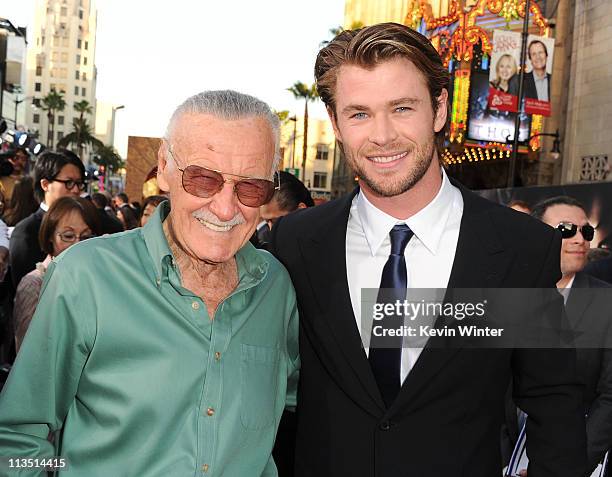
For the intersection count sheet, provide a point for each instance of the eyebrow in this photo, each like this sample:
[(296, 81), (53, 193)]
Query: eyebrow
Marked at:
[(394, 102)]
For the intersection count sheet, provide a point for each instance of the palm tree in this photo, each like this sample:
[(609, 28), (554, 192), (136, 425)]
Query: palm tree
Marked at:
[(83, 107), (80, 136), (108, 157), (307, 93), (52, 103), (334, 32)]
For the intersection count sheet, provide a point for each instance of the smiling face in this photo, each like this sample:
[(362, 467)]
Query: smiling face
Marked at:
[(538, 56), (506, 68), (574, 249), (213, 229), (385, 122)]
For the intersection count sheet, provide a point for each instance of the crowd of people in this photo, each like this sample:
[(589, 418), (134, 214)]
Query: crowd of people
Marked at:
[(177, 346)]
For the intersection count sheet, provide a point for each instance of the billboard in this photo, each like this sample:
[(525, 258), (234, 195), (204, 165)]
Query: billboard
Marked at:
[(490, 124), (504, 73)]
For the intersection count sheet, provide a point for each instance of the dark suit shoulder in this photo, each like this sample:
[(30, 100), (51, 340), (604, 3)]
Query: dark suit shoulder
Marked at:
[(30, 223)]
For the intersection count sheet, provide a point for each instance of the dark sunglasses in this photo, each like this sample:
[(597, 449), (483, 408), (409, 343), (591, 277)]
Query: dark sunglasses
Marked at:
[(203, 182), (568, 230), (69, 184)]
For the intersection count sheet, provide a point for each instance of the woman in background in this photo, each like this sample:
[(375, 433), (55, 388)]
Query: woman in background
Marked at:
[(128, 217), (149, 206), (68, 221), (22, 202)]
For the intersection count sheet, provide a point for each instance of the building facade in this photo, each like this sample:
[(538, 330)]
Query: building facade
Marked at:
[(61, 58), (320, 158), (580, 95)]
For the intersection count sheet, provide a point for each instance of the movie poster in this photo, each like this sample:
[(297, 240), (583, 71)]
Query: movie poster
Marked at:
[(504, 73)]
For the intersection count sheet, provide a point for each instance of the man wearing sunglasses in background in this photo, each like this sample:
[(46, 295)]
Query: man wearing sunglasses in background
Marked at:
[(56, 174), (590, 315), (169, 349)]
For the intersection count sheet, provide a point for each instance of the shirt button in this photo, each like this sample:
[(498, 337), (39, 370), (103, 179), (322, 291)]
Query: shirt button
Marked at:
[(195, 305), (217, 355), (385, 426), (210, 411), (158, 281), (205, 468)]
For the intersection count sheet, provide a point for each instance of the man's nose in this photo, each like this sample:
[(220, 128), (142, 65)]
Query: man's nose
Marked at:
[(224, 203), (383, 130)]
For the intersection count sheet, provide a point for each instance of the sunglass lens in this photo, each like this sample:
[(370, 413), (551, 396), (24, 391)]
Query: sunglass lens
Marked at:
[(254, 192), (201, 182), (588, 232), (567, 230)]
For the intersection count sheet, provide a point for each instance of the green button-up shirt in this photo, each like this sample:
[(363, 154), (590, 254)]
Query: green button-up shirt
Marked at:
[(124, 364)]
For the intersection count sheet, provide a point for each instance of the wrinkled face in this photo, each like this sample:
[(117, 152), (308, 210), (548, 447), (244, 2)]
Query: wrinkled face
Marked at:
[(70, 225), (505, 68), (537, 56), (385, 122), (574, 249), (55, 189), (146, 213), (213, 229)]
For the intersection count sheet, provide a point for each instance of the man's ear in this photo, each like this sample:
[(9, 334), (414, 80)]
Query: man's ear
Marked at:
[(301, 205), (44, 184), (442, 111), (162, 168)]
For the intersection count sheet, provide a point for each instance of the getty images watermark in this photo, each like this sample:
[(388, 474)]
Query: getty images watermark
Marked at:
[(484, 318)]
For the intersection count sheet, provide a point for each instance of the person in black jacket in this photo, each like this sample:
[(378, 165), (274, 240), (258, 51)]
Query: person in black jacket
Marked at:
[(56, 174), (366, 411), (588, 305), (109, 224)]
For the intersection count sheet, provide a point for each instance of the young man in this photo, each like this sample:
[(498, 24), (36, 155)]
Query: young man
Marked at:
[(368, 412)]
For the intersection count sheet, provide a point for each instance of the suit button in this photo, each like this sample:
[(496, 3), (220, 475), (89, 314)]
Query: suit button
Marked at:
[(385, 426)]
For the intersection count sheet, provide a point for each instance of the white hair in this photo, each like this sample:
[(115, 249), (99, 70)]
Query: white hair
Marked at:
[(230, 105)]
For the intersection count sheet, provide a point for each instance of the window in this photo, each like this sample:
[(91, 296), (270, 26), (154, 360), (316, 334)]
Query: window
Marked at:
[(83, 91), (84, 60), (63, 11), (37, 87), (64, 57), (36, 118), (84, 76), (60, 120), (52, 87), (81, 14), (55, 56), (39, 71), (77, 74), (86, 44), (60, 135), (78, 59), (76, 90), (79, 44), (320, 180), (322, 152), (36, 102), (62, 88)]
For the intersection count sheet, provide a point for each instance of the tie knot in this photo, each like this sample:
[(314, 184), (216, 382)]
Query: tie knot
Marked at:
[(400, 236)]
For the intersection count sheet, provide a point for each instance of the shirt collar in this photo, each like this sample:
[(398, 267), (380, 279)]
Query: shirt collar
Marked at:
[(44, 206), (251, 265), (427, 224)]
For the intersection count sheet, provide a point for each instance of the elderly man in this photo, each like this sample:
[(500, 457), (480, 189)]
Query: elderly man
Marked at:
[(171, 349)]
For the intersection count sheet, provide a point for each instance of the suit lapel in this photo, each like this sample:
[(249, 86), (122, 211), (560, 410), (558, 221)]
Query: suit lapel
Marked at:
[(480, 262), (577, 302), (324, 257)]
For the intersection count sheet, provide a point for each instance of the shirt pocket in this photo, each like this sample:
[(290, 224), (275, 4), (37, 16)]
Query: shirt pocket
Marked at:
[(259, 384)]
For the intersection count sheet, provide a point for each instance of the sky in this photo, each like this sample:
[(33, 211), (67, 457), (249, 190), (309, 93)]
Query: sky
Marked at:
[(152, 54)]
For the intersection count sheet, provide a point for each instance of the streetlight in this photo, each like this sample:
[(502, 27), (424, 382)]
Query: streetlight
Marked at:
[(112, 135), (555, 152)]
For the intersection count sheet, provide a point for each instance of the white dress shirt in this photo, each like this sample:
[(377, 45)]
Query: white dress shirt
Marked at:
[(429, 254), (541, 84)]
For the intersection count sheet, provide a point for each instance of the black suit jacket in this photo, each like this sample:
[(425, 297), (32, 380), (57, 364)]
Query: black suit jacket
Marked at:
[(24, 250), (591, 313), (530, 87), (447, 417), (601, 269), (108, 224)]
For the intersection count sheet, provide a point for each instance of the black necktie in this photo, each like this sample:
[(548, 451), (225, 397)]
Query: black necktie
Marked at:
[(386, 353)]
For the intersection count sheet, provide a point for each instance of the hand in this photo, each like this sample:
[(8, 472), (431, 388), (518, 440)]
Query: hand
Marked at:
[(523, 473)]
